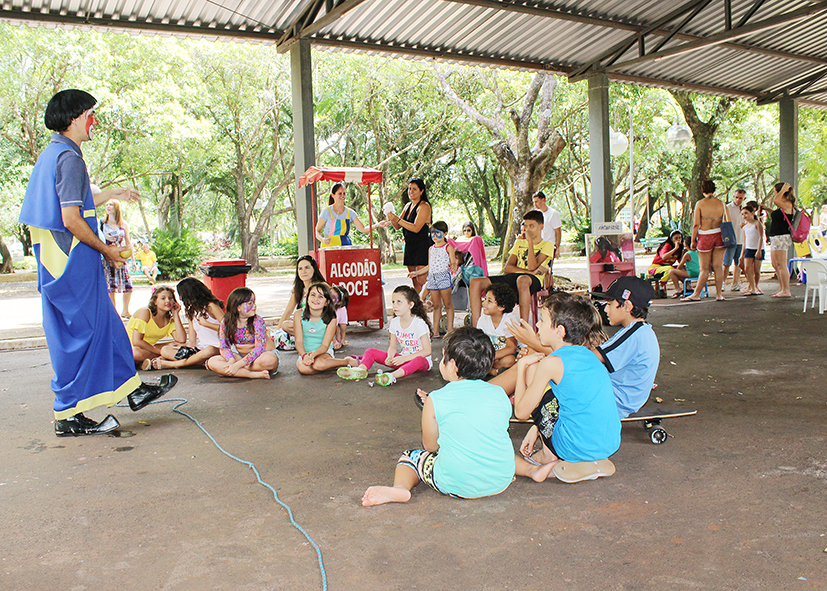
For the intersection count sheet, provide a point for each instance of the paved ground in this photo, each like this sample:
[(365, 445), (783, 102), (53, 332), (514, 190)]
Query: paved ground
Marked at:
[(734, 500)]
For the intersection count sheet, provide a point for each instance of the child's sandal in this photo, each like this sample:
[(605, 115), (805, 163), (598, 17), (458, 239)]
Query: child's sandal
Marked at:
[(578, 471), (385, 379), (420, 403), (352, 373)]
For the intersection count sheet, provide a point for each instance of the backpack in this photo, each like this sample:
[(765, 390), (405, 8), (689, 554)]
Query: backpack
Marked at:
[(800, 226)]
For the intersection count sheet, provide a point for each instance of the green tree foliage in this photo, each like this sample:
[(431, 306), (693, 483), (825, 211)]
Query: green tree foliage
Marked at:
[(178, 253), (204, 130)]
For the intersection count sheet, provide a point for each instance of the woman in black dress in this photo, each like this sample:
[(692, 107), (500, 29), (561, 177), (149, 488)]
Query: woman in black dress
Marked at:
[(415, 224)]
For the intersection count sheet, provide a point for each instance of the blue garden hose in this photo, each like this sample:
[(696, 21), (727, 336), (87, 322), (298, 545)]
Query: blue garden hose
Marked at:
[(182, 402)]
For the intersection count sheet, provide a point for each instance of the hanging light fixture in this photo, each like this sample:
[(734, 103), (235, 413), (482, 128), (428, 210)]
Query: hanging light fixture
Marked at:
[(618, 142), (678, 137)]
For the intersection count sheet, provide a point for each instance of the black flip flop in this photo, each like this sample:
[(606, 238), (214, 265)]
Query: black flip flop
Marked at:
[(419, 403)]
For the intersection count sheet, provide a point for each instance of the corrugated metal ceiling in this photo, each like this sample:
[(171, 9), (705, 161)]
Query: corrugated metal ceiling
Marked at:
[(745, 48)]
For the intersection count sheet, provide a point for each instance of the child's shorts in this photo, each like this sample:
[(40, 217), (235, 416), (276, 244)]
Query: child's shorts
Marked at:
[(422, 462), (545, 417), (439, 281), (510, 279)]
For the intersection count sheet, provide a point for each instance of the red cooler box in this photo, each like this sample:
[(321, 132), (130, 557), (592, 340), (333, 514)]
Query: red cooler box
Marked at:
[(224, 275), (359, 271)]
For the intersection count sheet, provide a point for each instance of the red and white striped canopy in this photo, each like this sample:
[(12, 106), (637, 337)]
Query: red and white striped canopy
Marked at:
[(362, 176)]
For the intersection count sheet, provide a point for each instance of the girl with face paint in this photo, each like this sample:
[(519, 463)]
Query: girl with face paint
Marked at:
[(246, 349), (149, 325), (315, 328)]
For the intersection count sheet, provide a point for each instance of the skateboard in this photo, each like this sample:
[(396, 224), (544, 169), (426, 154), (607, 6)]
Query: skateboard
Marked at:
[(652, 417)]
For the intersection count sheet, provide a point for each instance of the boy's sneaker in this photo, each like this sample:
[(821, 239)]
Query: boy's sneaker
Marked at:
[(352, 373), (577, 471), (385, 379)]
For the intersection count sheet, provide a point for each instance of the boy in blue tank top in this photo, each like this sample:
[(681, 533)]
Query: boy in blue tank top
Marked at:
[(569, 397), (468, 452)]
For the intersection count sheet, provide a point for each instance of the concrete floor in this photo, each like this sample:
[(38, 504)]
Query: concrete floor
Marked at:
[(735, 499)]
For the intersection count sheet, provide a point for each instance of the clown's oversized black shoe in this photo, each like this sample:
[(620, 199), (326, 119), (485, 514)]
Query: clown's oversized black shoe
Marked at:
[(80, 425), (146, 393)]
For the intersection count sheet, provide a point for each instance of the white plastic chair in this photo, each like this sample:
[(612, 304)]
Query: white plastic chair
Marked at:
[(815, 277)]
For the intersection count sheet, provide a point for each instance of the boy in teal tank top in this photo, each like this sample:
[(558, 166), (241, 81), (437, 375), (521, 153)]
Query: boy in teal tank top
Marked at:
[(468, 452), (569, 397)]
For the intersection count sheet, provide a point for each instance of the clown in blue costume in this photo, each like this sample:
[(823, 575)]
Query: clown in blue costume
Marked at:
[(88, 345)]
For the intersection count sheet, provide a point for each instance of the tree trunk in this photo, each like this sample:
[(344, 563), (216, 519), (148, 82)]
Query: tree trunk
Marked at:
[(651, 201), (163, 207), (25, 237), (7, 265), (526, 165), (703, 133)]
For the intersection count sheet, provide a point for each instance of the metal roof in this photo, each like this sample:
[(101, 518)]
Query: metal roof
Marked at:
[(760, 49)]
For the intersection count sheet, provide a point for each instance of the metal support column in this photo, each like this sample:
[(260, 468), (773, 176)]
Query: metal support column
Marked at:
[(304, 139), (788, 142), (599, 156)]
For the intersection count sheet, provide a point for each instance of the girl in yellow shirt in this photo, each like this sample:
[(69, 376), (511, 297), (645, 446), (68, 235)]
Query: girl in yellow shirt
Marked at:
[(158, 320)]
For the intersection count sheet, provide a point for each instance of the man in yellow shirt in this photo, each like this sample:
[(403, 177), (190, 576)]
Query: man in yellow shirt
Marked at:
[(149, 262), (523, 272)]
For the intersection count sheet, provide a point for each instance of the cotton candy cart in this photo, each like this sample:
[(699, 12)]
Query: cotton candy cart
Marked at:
[(355, 268)]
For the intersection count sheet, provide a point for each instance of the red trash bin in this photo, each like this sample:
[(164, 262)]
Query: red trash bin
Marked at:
[(224, 275)]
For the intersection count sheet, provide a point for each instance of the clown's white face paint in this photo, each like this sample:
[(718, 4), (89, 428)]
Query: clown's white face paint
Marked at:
[(91, 121)]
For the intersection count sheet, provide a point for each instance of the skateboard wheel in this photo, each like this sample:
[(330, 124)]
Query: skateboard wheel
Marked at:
[(658, 435)]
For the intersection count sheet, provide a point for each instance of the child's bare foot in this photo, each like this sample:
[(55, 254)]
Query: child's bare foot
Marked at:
[(379, 495), (161, 363), (263, 374), (540, 473)]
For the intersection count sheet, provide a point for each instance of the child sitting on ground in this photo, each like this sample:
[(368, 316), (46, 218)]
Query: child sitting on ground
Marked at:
[(410, 333), (632, 355), (246, 349), (149, 325), (307, 273), (341, 298), (568, 395), (497, 306), (468, 452), (314, 341), (205, 313)]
